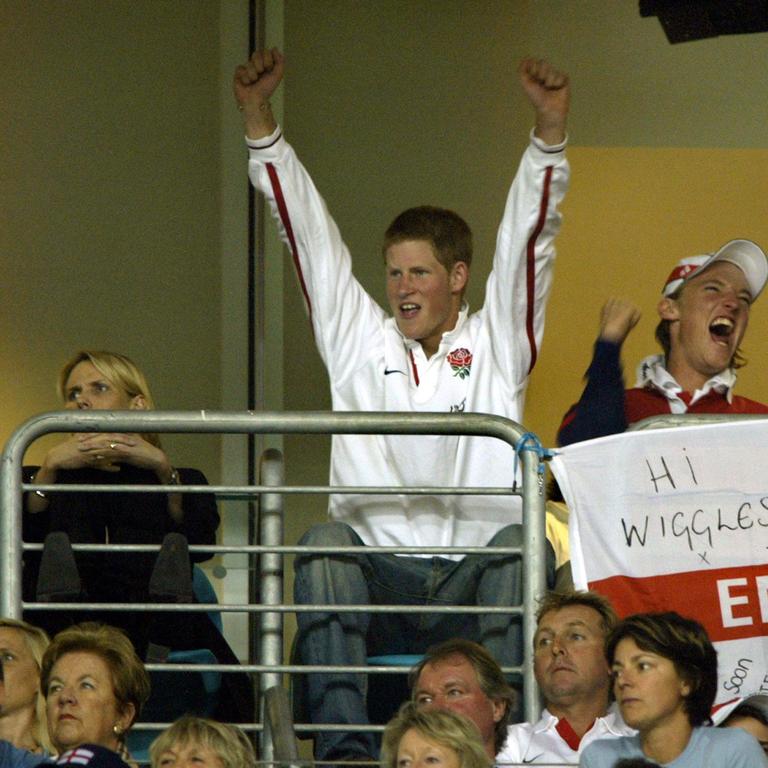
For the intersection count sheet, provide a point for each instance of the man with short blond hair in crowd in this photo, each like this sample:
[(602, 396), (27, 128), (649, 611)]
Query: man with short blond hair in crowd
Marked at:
[(575, 682), (462, 676)]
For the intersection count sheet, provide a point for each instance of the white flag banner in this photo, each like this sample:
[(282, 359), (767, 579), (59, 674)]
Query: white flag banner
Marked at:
[(677, 520)]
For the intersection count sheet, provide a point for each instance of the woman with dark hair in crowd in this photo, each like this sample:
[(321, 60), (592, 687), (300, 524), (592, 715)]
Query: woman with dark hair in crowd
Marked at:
[(665, 681)]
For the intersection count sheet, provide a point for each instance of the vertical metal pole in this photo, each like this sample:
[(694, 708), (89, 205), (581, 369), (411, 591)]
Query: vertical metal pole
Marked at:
[(256, 367), (534, 572), (271, 577), (10, 531)]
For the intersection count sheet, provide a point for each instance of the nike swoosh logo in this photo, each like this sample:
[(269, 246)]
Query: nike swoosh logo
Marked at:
[(533, 759), (387, 371)]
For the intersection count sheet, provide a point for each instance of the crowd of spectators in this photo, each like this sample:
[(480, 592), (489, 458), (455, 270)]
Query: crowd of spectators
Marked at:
[(616, 692)]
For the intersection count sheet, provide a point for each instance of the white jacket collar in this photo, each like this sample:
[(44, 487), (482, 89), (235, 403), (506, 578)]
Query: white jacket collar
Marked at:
[(652, 373)]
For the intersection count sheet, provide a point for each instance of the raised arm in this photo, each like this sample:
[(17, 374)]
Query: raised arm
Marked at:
[(343, 316), (617, 319), (518, 287), (600, 411)]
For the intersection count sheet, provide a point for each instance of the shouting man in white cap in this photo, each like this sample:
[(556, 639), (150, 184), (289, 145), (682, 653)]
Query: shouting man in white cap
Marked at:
[(704, 312)]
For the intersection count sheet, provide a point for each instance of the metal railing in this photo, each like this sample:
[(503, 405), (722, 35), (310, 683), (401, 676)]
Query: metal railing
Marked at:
[(271, 549)]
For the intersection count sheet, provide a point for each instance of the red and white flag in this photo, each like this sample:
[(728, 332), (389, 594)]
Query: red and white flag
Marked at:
[(677, 520)]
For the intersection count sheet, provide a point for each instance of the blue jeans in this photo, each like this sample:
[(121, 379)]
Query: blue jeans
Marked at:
[(381, 579)]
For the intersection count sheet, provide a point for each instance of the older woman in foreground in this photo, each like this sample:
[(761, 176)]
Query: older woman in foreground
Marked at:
[(95, 686), (431, 738)]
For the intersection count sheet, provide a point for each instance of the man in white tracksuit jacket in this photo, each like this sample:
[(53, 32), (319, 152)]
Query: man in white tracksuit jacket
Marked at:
[(431, 355)]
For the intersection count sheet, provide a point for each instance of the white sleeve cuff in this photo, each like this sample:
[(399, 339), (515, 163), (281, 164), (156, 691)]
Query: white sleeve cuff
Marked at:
[(265, 141), (549, 148)]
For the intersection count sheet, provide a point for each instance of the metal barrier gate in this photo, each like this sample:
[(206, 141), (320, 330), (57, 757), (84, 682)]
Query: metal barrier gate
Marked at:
[(270, 667)]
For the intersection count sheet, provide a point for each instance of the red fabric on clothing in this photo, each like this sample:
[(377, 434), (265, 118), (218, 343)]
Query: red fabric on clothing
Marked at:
[(568, 735), (642, 403)]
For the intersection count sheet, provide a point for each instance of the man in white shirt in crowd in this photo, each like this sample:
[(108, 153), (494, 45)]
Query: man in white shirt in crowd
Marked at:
[(575, 682)]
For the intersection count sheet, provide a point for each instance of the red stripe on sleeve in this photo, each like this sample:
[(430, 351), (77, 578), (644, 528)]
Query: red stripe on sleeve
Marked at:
[(531, 266), (285, 218)]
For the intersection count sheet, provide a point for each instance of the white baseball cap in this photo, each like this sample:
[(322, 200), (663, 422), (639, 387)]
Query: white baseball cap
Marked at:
[(746, 255)]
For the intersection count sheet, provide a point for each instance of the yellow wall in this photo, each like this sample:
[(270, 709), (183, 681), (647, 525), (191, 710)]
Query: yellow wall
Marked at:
[(109, 215)]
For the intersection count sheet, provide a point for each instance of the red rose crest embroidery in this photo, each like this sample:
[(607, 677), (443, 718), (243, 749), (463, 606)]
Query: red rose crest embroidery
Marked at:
[(461, 361)]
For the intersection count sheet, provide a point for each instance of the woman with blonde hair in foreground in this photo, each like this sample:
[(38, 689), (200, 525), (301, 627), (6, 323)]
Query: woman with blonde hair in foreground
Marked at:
[(431, 738), (203, 743), (22, 707)]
